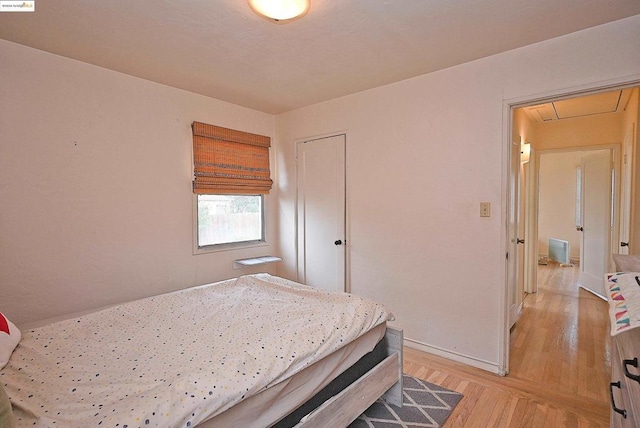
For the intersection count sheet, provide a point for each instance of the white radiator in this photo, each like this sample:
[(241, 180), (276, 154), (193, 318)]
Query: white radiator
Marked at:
[(559, 251)]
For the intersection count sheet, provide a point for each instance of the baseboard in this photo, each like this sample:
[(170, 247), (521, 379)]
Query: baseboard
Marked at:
[(454, 356)]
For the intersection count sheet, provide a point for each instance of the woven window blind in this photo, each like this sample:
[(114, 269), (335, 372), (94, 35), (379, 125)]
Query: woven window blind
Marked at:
[(226, 161)]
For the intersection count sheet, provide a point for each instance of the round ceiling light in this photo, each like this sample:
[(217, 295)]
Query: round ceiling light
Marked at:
[(280, 10)]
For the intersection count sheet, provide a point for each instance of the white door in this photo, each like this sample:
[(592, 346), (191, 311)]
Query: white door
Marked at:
[(625, 208), (321, 212), (516, 249), (596, 221)]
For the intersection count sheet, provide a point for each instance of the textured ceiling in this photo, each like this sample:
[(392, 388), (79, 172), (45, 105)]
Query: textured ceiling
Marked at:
[(221, 49), (588, 105)]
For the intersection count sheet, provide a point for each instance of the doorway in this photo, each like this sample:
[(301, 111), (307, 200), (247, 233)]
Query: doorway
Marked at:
[(545, 125), (575, 198)]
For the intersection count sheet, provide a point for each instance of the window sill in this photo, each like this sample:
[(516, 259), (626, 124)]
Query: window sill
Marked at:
[(227, 247), (253, 261)]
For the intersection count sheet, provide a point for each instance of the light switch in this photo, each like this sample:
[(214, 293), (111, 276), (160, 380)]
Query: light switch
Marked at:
[(485, 209)]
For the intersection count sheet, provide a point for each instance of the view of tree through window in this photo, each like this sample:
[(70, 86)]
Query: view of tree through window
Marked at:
[(225, 219)]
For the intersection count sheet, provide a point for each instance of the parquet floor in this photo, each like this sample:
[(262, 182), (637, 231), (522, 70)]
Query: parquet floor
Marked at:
[(559, 364)]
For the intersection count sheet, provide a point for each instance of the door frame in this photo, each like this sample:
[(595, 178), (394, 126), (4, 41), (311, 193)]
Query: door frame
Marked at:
[(509, 105), (614, 158), (347, 228)]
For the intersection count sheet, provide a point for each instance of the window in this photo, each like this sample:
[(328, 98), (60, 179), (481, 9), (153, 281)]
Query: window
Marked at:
[(227, 219), (231, 177)]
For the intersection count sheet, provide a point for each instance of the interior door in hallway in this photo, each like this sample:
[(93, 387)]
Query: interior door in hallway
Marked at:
[(596, 199), (515, 265), (626, 190), (321, 194)]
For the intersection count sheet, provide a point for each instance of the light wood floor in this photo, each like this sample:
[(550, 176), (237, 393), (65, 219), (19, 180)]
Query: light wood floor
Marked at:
[(559, 364)]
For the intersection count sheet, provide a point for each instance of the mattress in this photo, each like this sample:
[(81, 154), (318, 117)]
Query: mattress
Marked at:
[(272, 404), (183, 358)]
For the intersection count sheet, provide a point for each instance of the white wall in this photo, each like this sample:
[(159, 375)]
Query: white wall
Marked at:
[(583, 131), (421, 155), (95, 186)]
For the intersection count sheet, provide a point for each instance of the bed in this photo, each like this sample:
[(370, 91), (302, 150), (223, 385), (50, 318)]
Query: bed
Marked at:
[(257, 350)]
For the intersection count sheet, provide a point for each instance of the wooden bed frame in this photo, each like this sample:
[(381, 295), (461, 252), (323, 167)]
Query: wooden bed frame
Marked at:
[(383, 380)]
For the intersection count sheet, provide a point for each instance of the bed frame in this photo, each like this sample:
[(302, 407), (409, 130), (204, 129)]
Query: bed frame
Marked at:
[(383, 380)]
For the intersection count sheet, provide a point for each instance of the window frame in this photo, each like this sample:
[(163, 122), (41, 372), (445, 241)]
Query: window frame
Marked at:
[(204, 249)]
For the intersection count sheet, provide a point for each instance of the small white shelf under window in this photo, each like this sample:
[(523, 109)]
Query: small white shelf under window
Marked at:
[(253, 261)]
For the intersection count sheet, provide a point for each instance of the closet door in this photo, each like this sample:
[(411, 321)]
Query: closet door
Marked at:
[(321, 212)]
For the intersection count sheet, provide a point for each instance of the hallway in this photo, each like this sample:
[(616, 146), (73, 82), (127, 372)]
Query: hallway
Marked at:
[(559, 365), (562, 339)]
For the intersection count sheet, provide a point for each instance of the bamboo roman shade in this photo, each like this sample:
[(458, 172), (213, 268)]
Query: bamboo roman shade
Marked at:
[(226, 161)]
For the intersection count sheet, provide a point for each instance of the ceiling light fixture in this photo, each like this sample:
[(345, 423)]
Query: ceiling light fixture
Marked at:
[(280, 10)]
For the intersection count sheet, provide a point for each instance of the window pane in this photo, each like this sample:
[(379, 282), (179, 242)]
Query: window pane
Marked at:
[(224, 219)]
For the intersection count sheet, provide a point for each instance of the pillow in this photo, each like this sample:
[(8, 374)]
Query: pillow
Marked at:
[(7, 419), (9, 338)]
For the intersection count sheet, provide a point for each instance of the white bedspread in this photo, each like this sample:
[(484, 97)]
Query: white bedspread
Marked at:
[(177, 359)]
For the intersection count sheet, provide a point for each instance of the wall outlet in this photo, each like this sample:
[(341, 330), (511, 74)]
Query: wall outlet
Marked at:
[(485, 209)]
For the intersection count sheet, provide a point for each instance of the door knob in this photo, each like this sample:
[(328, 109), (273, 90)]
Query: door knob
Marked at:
[(624, 244), (520, 241), (338, 242), (579, 228)]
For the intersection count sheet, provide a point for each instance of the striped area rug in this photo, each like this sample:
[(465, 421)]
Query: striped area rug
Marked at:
[(425, 405)]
